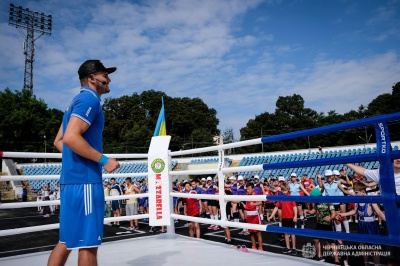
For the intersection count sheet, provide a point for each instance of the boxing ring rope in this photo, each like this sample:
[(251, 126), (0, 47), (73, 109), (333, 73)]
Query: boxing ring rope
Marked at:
[(384, 155)]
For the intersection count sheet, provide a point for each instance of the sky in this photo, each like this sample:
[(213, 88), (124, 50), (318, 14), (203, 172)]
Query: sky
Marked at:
[(237, 56)]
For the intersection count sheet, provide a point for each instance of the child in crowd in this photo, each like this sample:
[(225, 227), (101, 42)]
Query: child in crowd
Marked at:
[(289, 219), (366, 220), (253, 217), (192, 208), (325, 215)]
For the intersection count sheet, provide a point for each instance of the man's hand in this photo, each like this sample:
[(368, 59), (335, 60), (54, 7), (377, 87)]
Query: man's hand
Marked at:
[(111, 165)]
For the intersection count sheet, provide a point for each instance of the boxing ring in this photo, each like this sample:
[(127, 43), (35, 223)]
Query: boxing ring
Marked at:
[(171, 249)]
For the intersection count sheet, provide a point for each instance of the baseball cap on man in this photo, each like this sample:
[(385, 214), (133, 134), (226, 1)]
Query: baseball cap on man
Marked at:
[(281, 178), (91, 66), (209, 178), (336, 172), (293, 175), (240, 177), (232, 178), (328, 172)]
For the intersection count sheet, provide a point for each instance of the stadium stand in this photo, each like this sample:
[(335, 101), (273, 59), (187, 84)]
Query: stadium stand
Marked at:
[(311, 171), (245, 160), (55, 169)]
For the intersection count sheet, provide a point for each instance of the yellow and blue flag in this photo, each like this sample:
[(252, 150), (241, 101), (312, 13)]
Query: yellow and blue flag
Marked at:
[(161, 128)]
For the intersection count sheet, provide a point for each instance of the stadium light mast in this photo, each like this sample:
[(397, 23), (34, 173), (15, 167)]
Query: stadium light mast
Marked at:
[(33, 22)]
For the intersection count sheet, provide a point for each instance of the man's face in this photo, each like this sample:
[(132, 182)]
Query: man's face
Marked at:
[(250, 190), (113, 181), (97, 79), (194, 185)]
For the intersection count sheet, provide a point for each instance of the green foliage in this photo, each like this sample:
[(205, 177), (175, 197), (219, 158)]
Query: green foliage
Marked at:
[(24, 121), (131, 120)]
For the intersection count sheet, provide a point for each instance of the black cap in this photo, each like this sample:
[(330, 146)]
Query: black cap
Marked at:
[(92, 66)]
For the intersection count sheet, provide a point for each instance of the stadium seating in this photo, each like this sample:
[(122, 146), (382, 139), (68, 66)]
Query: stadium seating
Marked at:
[(311, 171), (55, 169)]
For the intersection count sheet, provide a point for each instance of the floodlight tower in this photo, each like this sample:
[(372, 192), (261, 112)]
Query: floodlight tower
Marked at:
[(33, 22)]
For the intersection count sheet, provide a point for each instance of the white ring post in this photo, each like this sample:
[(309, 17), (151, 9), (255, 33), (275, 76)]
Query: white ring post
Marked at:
[(159, 183), (221, 186)]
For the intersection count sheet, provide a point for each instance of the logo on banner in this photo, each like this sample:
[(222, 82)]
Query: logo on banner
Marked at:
[(383, 138), (158, 165)]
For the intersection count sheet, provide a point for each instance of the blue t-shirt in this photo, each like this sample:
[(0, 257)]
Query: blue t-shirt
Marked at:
[(76, 169), (294, 189), (331, 189)]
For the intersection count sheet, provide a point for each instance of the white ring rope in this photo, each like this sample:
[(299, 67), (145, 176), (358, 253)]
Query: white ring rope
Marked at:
[(217, 197), (52, 177), (258, 167), (222, 223), (57, 202), (8, 154), (41, 228), (219, 147)]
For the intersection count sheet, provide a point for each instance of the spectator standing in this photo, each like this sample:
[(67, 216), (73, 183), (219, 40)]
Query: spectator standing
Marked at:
[(24, 193), (366, 218), (191, 207), (131, 206), (253, 217), (325, 215), (46, 197), (107, 204), (289, 219), (296, 189), (115, 190)]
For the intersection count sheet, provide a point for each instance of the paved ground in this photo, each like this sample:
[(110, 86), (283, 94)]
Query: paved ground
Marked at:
[(46, 240)]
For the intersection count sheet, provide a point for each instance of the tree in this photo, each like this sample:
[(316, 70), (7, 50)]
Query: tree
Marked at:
[(131, 120), (24, 121), (228, 135)]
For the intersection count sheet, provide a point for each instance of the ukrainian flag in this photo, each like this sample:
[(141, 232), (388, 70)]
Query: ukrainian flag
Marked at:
[(161, 128)]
